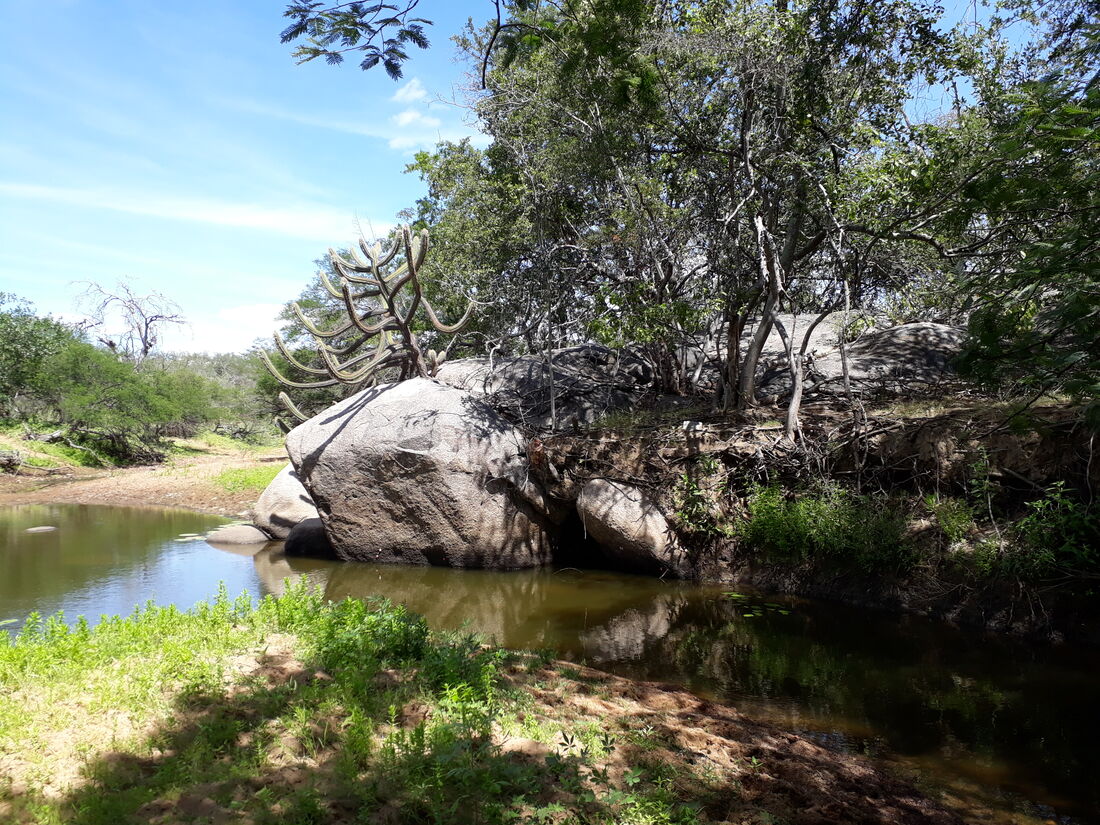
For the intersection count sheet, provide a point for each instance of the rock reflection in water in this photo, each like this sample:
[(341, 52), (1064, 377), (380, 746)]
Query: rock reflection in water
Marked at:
[(274, 570), (593, 615)]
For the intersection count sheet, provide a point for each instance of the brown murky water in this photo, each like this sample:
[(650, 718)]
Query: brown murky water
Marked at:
[(998, 723)]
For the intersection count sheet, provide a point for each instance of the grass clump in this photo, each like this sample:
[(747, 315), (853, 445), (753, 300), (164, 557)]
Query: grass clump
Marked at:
[(830, 525), (245, 479), (292, 710)]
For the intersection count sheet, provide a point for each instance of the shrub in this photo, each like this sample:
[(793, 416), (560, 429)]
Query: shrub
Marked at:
[(1059, 535), (828, 524), (953, 516)]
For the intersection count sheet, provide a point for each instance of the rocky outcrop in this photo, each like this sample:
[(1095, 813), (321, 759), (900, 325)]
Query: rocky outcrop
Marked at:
[(897, 358), (629, 527), (422, 473), (284, 504), (589, 382)]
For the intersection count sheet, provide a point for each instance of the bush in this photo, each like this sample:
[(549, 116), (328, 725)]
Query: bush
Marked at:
[(116, 409), (828, 524), (1060, 535)]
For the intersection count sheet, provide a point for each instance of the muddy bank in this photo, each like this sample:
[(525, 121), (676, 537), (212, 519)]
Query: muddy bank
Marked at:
[(186, 482)]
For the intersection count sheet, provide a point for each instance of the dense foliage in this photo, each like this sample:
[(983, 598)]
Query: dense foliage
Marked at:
[(674, 174), (107, 405)]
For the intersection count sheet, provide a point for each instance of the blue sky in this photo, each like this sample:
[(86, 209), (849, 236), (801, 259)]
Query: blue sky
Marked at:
[(177, 145)]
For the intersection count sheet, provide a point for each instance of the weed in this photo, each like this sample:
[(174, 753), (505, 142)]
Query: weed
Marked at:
[(696, 498), (953, 516), (1059, 534)]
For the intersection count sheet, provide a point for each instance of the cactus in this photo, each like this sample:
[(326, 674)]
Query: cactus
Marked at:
[(381, 300)]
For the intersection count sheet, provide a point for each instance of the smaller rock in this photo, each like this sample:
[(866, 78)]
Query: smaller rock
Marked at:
[(629, 527), (283, 504), (43, 529), (237, 534), (308, 538)]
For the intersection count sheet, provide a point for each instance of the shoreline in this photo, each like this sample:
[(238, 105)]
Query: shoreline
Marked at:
[(183, 482), (279, 702)]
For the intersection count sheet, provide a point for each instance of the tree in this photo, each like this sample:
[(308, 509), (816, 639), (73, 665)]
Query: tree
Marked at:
[(128, 323), (27, 341), (381, 31), (690, 166), (1033, 211)]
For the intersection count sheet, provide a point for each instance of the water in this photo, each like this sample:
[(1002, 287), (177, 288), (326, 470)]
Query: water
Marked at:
[(999, 723)]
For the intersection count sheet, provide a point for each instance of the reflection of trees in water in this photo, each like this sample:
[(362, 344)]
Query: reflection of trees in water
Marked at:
[(918, 686)]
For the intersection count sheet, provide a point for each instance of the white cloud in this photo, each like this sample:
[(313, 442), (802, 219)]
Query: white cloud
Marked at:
[(300, 220), (413, 117), (411, 92), (230, 329), (409, 129)]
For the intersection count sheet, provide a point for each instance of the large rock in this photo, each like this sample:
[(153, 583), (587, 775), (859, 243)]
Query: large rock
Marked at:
[(283, 505), (422, 473), (589, 382), (629, 527), (897, 358)]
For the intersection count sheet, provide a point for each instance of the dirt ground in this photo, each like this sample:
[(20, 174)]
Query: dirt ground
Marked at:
[(185, 481)]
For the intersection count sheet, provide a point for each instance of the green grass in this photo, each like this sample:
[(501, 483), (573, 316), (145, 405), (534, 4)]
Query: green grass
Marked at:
[(244, 479), (293, 710)]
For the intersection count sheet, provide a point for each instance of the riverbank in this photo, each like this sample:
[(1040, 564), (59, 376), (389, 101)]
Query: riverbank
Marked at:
[(211, 475), (298, 710)]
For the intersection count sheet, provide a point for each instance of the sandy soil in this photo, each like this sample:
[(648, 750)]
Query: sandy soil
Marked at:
[(183, 481)]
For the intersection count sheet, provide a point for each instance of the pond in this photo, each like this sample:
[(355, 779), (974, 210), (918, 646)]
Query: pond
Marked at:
[(997, 722)]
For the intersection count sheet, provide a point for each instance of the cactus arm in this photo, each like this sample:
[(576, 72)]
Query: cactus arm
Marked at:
[(375, 253), (440, 326), (327, 284), (301, 385), (379, 360), (289, 356), (356, 264), (291, 408), (347, 275), (314, 330)]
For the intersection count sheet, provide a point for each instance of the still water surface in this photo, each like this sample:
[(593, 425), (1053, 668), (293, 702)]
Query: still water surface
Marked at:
[(996, 721)]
